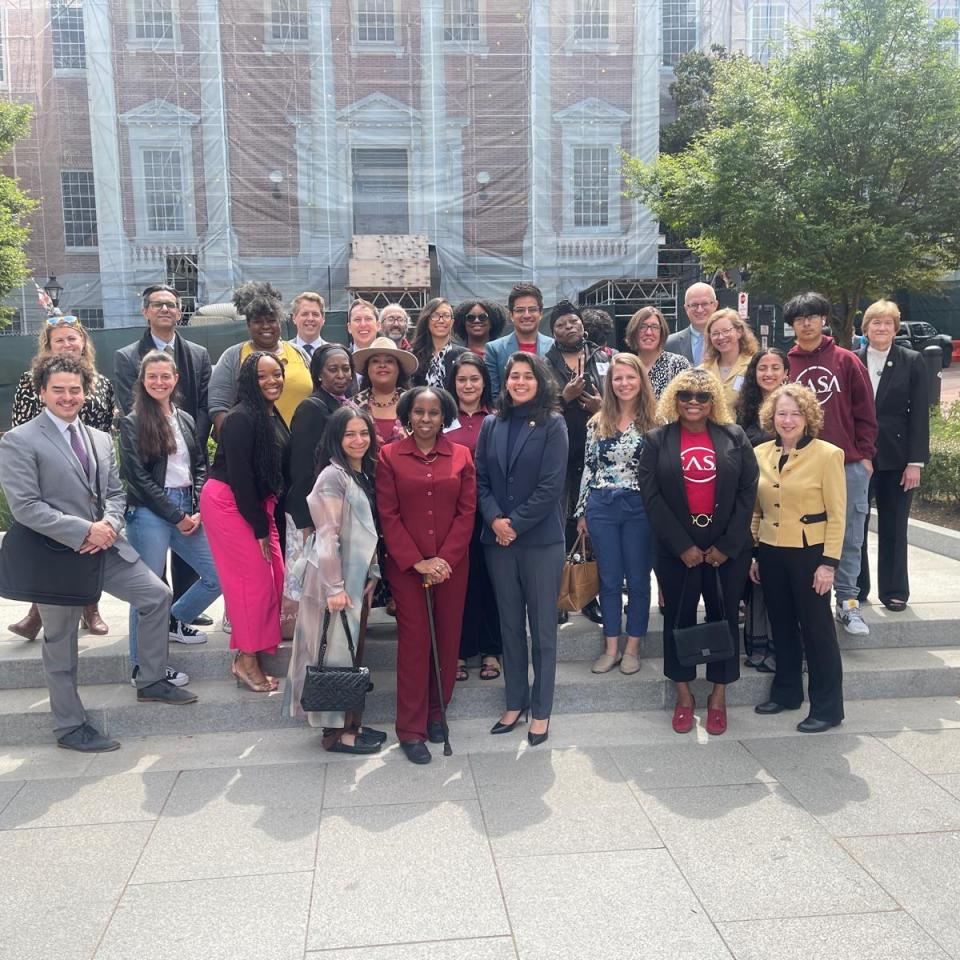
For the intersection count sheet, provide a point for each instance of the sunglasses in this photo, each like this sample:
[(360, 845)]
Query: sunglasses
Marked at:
[(701, 396), (69, 318), (477, 318)]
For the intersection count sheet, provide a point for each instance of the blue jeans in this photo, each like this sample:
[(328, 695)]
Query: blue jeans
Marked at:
[(151, 536), (623, 545), (845, 580)]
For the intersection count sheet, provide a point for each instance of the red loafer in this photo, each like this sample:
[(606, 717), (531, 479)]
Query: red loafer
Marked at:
[(683, 718), (716, 721)]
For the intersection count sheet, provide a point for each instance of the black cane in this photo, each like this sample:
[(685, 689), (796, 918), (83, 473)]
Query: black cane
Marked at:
[(447, 751)]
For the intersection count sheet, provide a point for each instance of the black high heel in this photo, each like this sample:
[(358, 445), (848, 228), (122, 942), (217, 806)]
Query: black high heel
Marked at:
[(536, 739), (499, 727)]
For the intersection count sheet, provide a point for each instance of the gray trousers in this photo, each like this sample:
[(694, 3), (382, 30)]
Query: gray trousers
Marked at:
[(147, 594), (526, 581)]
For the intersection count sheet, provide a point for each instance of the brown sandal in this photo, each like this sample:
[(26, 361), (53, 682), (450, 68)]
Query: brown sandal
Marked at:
[(489, 671)]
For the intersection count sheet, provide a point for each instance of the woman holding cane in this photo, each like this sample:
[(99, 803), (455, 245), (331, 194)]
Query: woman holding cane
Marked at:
[(426, 496)]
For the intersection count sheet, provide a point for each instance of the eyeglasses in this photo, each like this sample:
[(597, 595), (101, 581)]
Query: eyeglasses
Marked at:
[(703, 305), (523, 310), (477, 317), (804, 320), (722, 333), (649, 328), (701, 396), (162, 305), (441, 316), (57, 320)]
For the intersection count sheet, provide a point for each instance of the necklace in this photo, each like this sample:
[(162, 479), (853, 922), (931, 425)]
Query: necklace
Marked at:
[(389, 403), (426, 458)]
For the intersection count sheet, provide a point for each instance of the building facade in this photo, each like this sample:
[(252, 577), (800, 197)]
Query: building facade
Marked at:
[(210, 142)]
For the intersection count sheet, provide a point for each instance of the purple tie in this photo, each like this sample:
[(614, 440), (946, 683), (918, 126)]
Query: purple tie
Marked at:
[(79, 449)]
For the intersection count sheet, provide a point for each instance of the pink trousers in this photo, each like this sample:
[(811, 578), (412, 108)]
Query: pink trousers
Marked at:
[(252, 588)]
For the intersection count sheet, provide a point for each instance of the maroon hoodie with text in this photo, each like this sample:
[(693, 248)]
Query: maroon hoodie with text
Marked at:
[(842, 386)]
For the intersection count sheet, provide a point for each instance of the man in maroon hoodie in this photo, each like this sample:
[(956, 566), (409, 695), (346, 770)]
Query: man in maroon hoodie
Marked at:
[(841, 384)]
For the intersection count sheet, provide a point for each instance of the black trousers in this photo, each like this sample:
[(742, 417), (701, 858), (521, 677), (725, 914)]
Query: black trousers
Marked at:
[(481, 622), (675, 578), (893, 511), (801, 620)]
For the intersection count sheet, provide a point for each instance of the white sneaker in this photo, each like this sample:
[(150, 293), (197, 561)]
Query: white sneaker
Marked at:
[(848, 613), (181, 632), (226, 626), (176, 677)]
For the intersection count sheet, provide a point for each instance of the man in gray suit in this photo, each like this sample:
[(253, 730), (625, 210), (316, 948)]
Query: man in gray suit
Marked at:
[(50, 469), (699, 302)]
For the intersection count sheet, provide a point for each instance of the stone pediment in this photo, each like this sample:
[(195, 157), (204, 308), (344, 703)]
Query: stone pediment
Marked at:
[(159, 113), (591, 110), (378, 108)]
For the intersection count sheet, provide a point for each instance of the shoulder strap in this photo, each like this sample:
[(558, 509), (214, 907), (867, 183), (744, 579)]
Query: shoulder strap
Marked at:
[(686, 572), (323, 638)]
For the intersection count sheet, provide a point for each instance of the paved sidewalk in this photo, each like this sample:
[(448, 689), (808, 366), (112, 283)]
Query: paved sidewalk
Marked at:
[(617, 839)]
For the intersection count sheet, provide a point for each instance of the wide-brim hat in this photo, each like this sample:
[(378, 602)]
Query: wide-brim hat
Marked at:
[(406, 360)]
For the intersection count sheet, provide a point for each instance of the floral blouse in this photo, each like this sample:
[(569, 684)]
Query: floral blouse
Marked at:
[(664, 369), (610, 462), (96, 412)]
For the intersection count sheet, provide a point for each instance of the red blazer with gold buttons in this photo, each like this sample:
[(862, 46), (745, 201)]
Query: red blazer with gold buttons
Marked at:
[(426, 504)]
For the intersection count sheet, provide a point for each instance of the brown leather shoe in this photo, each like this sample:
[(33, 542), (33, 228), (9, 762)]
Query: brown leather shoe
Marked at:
[(30, 626), (92, 621)]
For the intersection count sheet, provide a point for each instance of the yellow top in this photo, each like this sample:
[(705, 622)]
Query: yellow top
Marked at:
[(733, 381), (297, 385), (811, 483)]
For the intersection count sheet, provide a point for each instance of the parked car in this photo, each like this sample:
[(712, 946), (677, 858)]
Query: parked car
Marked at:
[(917, 334)]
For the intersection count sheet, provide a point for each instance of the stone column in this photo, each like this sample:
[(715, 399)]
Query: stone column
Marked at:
[(117, 282), (219, 246)]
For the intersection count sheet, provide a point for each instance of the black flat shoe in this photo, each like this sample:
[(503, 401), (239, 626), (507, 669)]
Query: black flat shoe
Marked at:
[(416, 751), (535, 739), (895, 605), (87, 739), (592, 612), (771, 706), (499, 727), (374, 736), (202, 621), (435, 731), (813, 725), (359, 746), (562, 617)]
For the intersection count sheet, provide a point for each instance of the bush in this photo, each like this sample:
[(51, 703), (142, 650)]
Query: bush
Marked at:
[(941, 476)]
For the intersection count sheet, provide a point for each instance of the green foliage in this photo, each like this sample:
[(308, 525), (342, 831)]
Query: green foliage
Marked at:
[(14, 205), (836, 167), (6, 517), (941, 476)]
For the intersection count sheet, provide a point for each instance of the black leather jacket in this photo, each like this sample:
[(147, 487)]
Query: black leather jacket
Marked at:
[(145, 480)]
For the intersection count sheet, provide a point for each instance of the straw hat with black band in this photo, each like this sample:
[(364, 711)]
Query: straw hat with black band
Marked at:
[(405, 360)]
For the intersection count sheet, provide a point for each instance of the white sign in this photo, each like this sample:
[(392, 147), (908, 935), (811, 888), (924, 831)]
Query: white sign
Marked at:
[(743, 299)]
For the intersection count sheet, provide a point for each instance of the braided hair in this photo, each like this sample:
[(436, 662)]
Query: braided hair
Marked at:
[(267, 467)]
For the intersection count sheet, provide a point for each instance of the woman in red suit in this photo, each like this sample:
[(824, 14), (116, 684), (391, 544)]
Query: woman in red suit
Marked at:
[(426, 498)]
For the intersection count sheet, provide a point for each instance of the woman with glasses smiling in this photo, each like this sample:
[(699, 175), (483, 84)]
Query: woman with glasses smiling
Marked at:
[(646, 335), (698, 478), (729, 345), (433, 344), (64, 334), (477, 322)]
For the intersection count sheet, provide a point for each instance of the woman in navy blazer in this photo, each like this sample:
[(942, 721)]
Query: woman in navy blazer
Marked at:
[(521, 462)]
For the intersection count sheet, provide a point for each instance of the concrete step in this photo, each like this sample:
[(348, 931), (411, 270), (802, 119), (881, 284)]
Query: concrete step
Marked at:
[(104, 659), (881, 673)]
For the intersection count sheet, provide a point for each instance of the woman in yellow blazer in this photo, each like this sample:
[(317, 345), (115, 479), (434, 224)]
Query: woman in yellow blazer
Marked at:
[(798, 525)]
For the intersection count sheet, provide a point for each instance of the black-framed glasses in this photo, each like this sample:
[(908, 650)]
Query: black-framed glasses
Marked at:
[(687, 396), (162, 305)]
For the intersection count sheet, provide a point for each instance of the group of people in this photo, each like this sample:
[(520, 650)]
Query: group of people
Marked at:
[(464, 458)]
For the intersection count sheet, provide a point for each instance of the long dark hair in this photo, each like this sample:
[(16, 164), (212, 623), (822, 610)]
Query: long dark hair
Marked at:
[(470, 359), (422, 344), (496, 313), (544, 403), (154, 436), (330, 448), (751, 398), (267, 468)]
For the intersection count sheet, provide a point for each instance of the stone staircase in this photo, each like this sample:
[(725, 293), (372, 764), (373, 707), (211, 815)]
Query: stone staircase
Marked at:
[(914, 654)]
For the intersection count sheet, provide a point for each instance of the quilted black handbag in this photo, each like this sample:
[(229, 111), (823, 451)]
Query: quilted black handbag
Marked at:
[(335, 689), (703, 642)]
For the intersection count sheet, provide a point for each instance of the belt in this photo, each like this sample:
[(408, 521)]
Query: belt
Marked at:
[(701, 519), (814, 517)]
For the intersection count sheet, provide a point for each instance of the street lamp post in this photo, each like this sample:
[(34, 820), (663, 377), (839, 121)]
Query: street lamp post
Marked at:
[(53, 290)]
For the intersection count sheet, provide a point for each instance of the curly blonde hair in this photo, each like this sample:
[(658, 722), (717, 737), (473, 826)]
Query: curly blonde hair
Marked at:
[(700, 381), (806, 401)]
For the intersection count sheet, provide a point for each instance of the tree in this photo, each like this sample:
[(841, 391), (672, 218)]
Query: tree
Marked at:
[(691, 90), (835, 168), (14, 206)]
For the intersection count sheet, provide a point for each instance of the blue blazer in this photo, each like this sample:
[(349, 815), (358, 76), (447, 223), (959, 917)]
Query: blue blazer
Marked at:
[(529, 488), (497, 353)]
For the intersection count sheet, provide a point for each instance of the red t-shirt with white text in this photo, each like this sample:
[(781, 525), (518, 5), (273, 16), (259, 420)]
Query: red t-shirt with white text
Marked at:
[(698, 462)]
